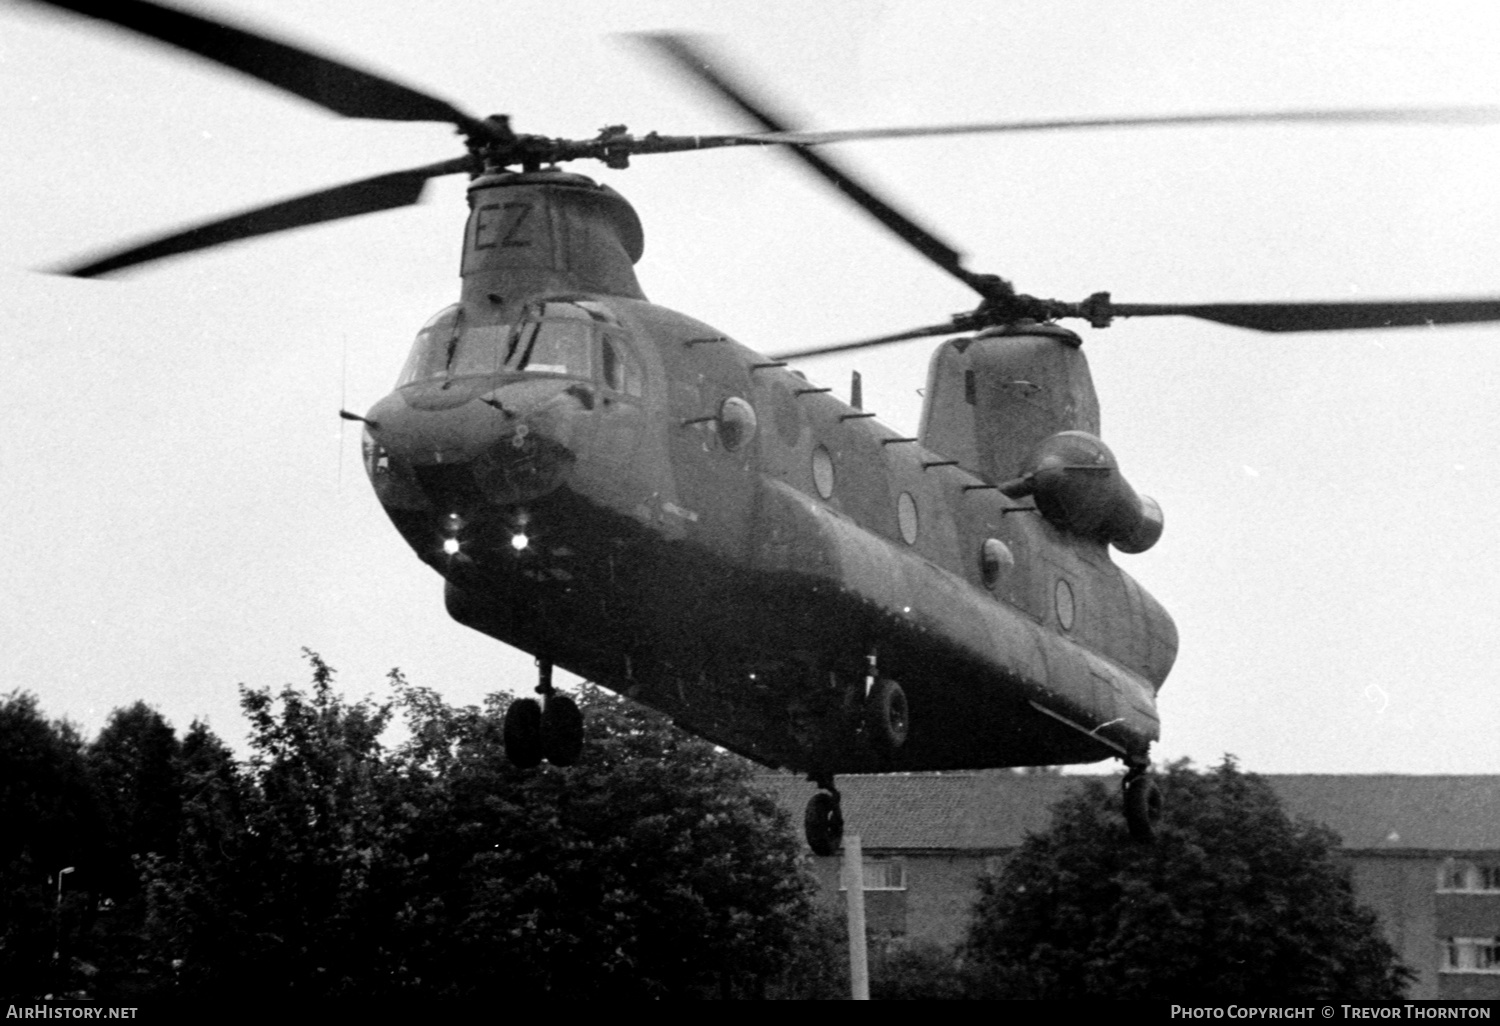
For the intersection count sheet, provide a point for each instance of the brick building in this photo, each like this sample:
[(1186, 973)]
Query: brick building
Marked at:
[(1423, 854)]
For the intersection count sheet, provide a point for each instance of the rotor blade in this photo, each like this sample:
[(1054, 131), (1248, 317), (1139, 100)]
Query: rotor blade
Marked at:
[(900, 336), (383, 192), (329, 83), (1335, 316), (1414, 115), (694, 57)]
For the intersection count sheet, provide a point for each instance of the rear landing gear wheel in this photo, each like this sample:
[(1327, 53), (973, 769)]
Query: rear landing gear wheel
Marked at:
[(561, 730), (823, 822), (1143, 804), (523, 733), (887, 716)]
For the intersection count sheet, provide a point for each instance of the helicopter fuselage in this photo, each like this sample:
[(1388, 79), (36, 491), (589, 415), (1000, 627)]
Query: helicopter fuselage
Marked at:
[(625, 492)]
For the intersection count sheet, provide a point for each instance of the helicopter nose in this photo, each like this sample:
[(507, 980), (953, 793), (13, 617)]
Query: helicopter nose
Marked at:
[(475, 443)]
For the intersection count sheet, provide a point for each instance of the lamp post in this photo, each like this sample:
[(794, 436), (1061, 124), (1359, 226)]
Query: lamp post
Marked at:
[(854, 891), (57, 934)]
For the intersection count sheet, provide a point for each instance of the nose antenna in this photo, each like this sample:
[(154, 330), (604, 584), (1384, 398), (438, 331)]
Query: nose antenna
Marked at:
[(373, 424)]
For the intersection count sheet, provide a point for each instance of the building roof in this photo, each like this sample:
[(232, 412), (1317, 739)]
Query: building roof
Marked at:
[(994, 811)]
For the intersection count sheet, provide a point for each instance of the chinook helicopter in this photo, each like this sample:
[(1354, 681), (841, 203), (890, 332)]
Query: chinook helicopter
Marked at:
[(626, 493)]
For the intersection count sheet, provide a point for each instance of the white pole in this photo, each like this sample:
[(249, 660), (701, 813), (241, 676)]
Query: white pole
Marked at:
[(57, 935), (854, 887)]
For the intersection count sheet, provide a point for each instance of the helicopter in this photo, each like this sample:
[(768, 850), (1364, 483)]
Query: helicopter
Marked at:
[(629, 494)]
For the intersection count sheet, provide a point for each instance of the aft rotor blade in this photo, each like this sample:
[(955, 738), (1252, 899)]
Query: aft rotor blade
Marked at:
[(1334, 316), (383, 192), (900, 336), (1413, 115), (693, 57), (330, 83)]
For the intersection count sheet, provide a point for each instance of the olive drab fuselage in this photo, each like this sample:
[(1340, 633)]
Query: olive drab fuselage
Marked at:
[(621, 490)]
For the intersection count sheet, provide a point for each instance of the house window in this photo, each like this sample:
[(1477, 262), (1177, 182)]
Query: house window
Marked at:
[(1469, 877), (883, 875), (1471, 955)]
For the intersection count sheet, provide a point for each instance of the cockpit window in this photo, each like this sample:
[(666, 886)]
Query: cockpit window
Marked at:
[(552, 337), (428, 357), (552, 347)]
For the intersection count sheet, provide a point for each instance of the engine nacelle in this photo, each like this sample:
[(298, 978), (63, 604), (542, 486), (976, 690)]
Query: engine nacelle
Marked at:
[(1077, 485)]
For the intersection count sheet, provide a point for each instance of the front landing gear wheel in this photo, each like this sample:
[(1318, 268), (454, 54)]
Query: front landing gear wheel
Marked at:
[(561, 730), (823, 822), (523, 733), (1143, 805)]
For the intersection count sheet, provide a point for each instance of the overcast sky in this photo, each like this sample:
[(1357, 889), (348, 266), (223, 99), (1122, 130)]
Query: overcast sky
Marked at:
[(182, 510)]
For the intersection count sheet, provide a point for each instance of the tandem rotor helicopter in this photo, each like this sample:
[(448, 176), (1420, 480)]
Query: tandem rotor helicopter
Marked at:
[(625, 492)]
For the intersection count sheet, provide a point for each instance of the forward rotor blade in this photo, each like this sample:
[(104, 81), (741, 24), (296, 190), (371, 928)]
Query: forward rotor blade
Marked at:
[(383, 192), (1335, 316), (1414, 115), (330, 83), (900, 336), (694, 57)]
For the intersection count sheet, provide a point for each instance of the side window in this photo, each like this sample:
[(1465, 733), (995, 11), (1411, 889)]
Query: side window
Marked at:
[(619, 367), (614, 372)]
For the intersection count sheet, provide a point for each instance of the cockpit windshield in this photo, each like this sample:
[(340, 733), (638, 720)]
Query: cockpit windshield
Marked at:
[(552, 337)]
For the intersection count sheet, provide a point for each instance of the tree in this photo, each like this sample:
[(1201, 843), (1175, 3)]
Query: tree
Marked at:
[(652, 868), (48, 822), (277, 884), (904, 970), (333, 866), (1233, 901), (200, 905), (134, 767)]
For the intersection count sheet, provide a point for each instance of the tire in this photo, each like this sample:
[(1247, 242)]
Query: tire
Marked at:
[(887, 717), (523, 733), (562, 730), (823, 823), (1143, 805)]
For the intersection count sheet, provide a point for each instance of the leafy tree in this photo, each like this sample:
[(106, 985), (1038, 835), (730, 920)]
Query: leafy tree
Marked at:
[(133, 765), (48, 822), (1234, 901), (817, 964), (333, 866), (276, 885), (915, 971), (652, 868), (200, 904)]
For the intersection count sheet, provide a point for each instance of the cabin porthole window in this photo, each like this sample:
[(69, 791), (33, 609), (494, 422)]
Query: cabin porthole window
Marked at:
[(906, 517), (822, 468), (1063, 600), (994, 559), (736, 422)]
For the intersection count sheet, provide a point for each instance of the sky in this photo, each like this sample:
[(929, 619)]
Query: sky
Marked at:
[(183, 511)]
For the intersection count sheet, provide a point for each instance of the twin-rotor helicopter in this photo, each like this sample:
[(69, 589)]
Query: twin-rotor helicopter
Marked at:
[(626, 492)]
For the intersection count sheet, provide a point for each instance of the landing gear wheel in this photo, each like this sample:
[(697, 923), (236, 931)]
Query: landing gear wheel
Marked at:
[(1143, 805), (887, 716), (823, 822), (561, 730), (523, 733)]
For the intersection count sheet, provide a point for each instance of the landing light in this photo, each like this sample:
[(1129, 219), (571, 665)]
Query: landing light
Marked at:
[(450, 546), (519, 542)]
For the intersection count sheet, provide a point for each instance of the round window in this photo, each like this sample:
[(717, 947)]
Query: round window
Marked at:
[(736, 422), (994, 558), (906, 516), (1064, 603), (822, 467)]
